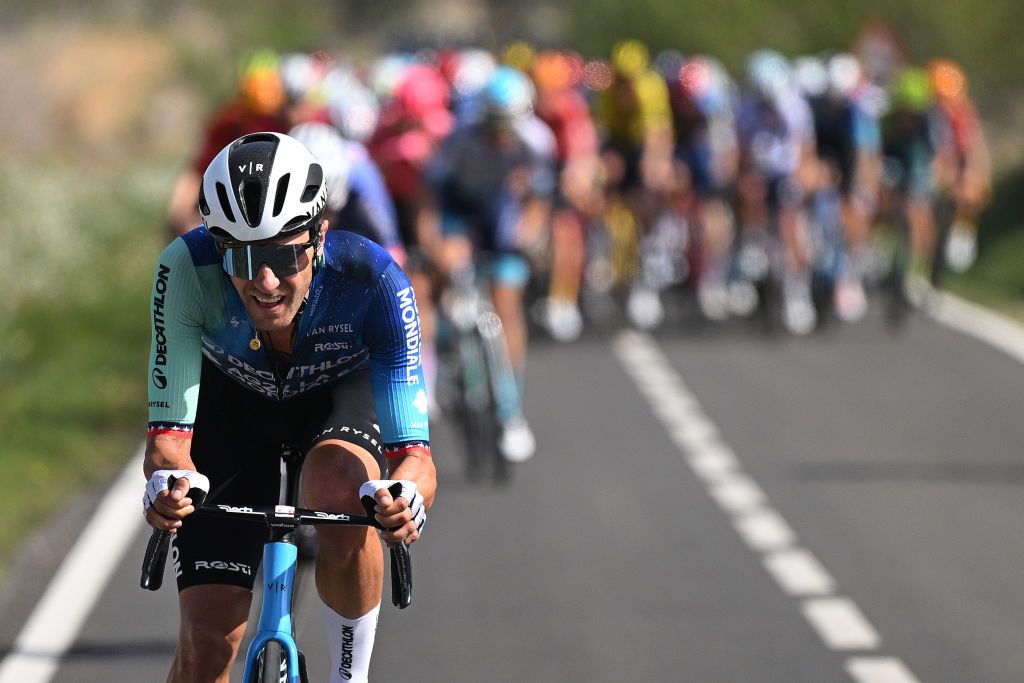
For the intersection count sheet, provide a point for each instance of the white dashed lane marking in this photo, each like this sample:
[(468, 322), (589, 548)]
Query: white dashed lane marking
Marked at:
[(837, 620)]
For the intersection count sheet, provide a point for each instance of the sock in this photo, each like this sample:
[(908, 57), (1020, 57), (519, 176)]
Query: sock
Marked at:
[(351, 642)]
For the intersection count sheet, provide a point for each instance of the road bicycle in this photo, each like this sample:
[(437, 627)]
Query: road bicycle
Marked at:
[(478, 380), (273, 655)]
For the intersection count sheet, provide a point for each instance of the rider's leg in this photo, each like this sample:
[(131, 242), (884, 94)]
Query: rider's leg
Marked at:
[(213, 619), (567, 259), (508, 304), (350, 564)]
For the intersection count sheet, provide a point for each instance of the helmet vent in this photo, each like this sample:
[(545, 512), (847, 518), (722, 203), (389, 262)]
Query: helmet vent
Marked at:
[(314, 181), (204, 208), (251, 194), (225, 205), (282, 190)]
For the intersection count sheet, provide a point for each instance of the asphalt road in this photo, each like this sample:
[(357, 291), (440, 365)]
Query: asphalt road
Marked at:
[(891, 464)]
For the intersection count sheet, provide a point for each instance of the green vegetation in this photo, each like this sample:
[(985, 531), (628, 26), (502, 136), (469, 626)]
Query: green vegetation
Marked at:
[(75, 348)]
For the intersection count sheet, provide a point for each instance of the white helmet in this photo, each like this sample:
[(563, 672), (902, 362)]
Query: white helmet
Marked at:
[(331, 150), (844, 74), (261, 186), (352, 107)]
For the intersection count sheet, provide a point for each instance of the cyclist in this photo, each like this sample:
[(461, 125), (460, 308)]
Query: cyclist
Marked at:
[(258, 105), (634, 116), (270, 329), (489, 191), (966, 165), (911, 134), (849, 150), (357, 198), (703, 100), (775, 130), (564, 109)]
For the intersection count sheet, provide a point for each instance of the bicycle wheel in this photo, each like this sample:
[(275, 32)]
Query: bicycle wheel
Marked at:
[(475, 405), (897, 303), (271, 665)]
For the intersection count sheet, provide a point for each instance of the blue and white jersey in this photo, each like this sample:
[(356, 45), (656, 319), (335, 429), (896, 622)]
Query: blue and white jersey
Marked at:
[(360, 311)]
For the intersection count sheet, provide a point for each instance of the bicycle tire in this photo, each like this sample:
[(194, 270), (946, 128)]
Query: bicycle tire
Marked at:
[(476, 404), (273, 667), (898, 304)]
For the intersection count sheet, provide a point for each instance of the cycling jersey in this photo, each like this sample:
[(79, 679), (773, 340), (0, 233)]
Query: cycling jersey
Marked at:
[(630, 109), (704, 136), (773, 133), (369, 210), (360, 311), (910, 140), (843, 129), (472, 175), (566, 112)]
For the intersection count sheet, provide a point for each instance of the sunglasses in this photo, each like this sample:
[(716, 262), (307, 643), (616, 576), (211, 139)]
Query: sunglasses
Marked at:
[(244, 261)]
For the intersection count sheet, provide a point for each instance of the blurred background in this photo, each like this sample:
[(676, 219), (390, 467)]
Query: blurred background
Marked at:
[(103, 104)]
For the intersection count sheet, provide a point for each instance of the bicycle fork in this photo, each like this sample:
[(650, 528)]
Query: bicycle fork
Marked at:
[(279, 562)]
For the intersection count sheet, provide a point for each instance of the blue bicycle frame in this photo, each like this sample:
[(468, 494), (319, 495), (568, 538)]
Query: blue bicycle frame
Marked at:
[(279, 561), (280, 558)]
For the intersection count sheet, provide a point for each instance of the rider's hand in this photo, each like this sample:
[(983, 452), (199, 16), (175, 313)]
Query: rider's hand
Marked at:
[(403, 516), (165, 508)]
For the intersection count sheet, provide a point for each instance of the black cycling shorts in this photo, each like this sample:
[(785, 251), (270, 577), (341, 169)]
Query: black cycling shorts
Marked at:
[(237, 444)]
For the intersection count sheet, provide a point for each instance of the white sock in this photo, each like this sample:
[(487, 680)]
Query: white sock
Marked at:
[(351, 642)]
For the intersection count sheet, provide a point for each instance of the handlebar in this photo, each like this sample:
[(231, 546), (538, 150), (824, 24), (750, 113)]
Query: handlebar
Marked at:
[(283, 517)]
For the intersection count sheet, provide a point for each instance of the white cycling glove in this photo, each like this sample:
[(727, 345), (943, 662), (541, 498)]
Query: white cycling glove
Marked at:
[(158, 483), (409, 491)]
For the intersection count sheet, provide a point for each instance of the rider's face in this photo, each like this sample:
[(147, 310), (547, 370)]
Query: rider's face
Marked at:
[(273, 301)]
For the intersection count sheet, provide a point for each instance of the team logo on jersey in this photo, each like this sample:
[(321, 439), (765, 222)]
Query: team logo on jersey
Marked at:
[(420, 402), (159, 330), (411, 325)]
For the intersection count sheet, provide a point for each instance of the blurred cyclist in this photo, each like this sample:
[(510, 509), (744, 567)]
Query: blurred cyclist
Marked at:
[(849, 150), (357, 199), (490, 189), (703, 99), (633, 116), (564, 109), (911, 135), (775, 129), (966, 167), (258, 105)]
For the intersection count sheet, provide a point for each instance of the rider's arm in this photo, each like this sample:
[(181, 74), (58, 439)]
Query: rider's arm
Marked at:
[(392, 332), (370, 195), (174, 361), (173, 380)]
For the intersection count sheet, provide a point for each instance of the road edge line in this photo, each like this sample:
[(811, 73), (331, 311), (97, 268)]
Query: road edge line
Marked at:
[(980, 322), (58, 616)]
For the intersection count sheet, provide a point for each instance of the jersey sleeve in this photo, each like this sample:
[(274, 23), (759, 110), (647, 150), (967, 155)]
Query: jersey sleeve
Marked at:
[(175, 356), (375, 205), (392, 333)]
